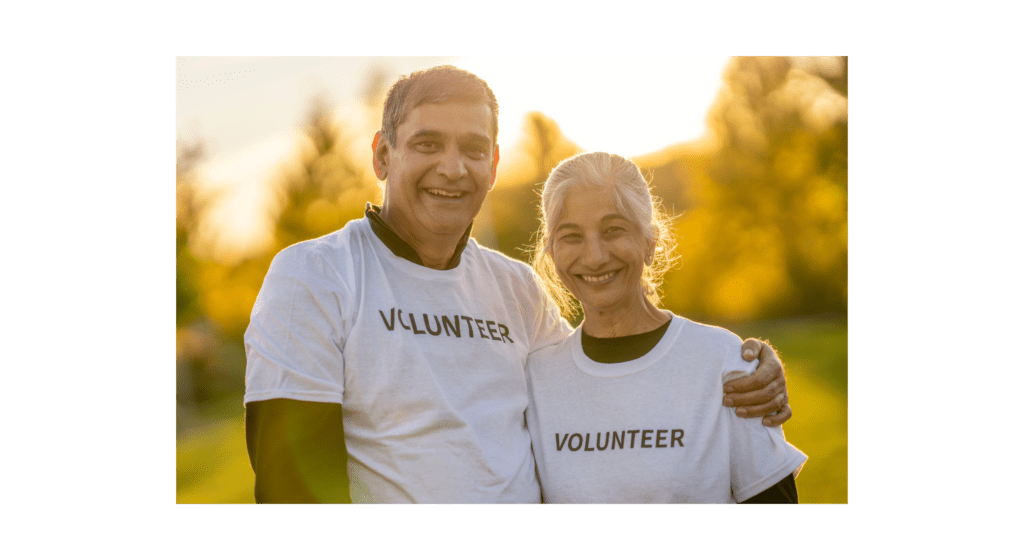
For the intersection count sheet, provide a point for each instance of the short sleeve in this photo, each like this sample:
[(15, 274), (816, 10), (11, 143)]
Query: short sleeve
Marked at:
[(293, 345), (759, 456)]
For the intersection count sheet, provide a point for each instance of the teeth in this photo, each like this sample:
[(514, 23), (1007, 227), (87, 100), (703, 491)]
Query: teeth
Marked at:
[(597, 278), (445, 194)]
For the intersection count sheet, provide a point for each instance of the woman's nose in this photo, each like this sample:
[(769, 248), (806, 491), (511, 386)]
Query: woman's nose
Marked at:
[(594, 253)]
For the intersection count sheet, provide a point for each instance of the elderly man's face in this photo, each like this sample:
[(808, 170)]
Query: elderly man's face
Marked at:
[(439, 170)]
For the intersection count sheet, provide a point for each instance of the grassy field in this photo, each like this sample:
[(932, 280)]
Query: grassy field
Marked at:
[(815, 354), (213, 466)]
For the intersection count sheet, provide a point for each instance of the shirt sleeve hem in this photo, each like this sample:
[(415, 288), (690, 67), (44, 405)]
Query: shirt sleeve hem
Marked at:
[(311, 396), (790, 466)]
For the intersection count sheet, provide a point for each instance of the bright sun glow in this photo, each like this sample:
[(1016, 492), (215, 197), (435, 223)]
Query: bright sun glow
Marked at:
[(627, 105)]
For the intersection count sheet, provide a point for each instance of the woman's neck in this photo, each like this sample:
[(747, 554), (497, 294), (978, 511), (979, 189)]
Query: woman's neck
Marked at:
[(624, 320)]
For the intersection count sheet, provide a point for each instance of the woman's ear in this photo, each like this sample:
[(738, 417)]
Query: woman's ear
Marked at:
[(652, 246)]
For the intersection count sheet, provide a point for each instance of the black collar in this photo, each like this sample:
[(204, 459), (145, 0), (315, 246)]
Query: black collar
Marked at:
[(398, 245), (621, 348)]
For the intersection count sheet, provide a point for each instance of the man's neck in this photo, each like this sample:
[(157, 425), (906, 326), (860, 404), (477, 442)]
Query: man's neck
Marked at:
[(441, 254), (435, 254)]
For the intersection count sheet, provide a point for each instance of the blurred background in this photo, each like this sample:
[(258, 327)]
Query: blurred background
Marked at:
[(749, 154)]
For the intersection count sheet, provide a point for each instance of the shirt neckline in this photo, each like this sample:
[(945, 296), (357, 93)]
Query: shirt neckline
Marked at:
[(620, 349), (620, 369), (400, 248)]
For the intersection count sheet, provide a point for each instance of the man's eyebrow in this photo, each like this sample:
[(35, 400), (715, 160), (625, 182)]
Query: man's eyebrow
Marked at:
[(611, 217), (566, 225), (437, 134), (473, 137), (426, 133)]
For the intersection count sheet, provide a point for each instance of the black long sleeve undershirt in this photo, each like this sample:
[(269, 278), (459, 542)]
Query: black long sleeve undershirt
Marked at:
[(297, 451), (783, 492)]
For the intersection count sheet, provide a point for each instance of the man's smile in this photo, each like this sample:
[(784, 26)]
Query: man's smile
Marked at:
[(445, 194)]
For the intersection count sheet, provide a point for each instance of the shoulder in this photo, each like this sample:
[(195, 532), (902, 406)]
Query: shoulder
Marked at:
[(555, 351), (719, 348), (552, 356), (496, 260), (322, 255), (315, 269), (506, 270), (711, 336)]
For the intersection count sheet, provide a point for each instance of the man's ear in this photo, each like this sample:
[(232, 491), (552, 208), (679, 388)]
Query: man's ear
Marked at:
[(380, 156), (494, 166)]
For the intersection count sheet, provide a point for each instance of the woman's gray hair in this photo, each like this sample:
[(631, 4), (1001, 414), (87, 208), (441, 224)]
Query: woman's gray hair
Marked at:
[(633, 199)]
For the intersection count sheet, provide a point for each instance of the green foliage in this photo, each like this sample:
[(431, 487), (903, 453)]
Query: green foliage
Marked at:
[(514, 207), (189, 208), (328, 190), (766, 235)]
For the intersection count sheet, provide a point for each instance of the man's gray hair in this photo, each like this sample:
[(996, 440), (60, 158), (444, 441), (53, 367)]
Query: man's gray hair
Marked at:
[(435, 85)]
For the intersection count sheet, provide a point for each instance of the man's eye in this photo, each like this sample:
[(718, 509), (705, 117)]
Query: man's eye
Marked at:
[(570, 238), (476, 152), (426, 146)]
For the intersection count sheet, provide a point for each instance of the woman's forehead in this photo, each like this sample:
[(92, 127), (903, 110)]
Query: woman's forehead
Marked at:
[(589, 206)]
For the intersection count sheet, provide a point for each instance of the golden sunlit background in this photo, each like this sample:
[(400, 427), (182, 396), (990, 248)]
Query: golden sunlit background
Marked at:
[(749, 154)]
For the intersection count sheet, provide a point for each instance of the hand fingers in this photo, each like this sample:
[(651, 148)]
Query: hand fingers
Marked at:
[(769, 369), (777, 419), (765, 396), (772, 403), (751, 348), (760, 379)]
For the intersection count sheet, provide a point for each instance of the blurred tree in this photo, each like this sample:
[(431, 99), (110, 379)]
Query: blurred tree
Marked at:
[(190, 206), (329, 188), (200, 347), (767, 233), (314, 196), (515, 207)]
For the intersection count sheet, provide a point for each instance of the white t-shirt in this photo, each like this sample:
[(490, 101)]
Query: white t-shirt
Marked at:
[(651, 429), (427, 364)]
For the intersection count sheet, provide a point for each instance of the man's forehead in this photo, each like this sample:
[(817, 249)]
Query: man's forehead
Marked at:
[(450, 118)]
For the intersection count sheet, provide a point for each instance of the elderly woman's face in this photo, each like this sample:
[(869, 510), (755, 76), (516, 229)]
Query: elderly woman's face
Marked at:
[(599, 254)]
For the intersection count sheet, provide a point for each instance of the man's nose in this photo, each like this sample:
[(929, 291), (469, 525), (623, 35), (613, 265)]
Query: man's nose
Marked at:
[(452, 165)]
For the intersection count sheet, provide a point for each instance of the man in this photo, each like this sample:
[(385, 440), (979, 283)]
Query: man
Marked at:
[(387, 358)]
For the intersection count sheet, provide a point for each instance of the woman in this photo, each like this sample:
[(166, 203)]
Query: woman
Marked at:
[(628, 408)]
